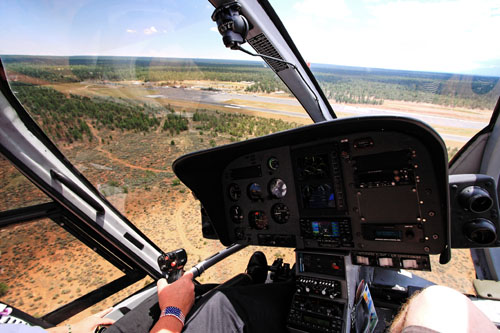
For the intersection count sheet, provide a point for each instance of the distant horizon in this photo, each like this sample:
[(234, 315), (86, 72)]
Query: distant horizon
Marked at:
[(441, 36), (333, 66)]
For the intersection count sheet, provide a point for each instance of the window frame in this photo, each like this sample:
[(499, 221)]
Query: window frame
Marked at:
[(59, 215), (133, 253)]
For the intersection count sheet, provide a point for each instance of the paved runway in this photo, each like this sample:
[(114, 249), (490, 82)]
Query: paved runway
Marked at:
[(220, 98)]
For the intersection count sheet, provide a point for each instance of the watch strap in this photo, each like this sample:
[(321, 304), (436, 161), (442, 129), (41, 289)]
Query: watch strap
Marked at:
[(174, 312)]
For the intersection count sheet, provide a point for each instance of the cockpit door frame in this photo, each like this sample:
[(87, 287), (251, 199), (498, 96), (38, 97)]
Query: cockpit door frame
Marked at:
[(482, 155)]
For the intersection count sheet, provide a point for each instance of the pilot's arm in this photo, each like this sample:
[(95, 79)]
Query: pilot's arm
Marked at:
[(175, 301)]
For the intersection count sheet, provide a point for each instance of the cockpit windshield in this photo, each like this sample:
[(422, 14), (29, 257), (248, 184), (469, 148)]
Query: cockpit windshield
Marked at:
[(124, 88)]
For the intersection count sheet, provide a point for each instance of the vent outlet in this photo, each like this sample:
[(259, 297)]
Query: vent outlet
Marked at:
[(262, 45)]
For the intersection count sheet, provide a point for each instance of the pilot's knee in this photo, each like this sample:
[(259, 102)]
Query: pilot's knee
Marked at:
[(437, 308), (437, 296)]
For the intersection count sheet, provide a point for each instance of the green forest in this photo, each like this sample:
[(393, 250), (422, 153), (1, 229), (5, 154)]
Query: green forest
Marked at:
[(237, 125), (341, 84), (65, 118)]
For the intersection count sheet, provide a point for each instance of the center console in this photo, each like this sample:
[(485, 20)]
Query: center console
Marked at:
[(324, 292)]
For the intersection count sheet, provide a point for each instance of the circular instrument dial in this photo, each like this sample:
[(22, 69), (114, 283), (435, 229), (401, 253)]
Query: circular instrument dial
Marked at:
[(277, 188), (280, 213), (255, 191), (236, 214), (273, 163), (258, 220), (234, 192)]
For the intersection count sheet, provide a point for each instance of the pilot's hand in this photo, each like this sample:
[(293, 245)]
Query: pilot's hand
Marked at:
[(179, 294), (87, 325)]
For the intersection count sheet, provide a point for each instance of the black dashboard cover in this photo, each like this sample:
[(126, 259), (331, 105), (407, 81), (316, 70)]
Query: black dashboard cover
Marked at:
[(202, 171)]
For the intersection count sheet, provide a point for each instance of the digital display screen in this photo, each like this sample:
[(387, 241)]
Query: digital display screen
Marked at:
[(327, 229), (316, 181), (317, 321), (318, 196), (388, 234)]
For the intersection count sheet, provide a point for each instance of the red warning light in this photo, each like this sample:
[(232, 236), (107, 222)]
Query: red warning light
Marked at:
[(308, 64)]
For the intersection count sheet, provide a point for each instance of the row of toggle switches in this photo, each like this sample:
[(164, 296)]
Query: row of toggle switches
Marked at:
[(318, 287)]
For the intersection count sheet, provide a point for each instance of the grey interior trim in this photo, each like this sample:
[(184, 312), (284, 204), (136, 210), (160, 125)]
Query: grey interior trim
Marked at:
[(315, 106), (470, 161), (490, 165)]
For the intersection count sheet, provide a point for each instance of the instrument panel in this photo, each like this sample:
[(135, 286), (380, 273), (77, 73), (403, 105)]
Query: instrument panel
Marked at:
[(375, 184)]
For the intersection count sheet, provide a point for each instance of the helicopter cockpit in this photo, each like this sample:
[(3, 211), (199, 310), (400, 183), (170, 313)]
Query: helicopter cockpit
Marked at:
[(362, 201), (314, 189)]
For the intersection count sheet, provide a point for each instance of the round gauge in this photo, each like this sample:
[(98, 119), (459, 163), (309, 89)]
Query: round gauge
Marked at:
[(255, 191), (280, 213), (236, 214), (273, 163), (258, 220), (277, 187), (234, 192)]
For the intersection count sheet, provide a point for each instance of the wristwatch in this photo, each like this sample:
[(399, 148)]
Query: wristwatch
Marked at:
[(174, 312)]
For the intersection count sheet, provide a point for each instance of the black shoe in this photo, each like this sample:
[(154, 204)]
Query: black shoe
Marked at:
[(257, 267)]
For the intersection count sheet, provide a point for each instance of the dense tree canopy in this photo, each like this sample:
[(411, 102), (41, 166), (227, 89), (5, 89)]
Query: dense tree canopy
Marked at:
[(65, 117)]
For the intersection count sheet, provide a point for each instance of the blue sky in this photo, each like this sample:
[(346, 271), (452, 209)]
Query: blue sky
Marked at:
[(448, 36)]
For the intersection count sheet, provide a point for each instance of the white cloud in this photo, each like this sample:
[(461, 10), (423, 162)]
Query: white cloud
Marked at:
[(454, 36), (131, 31), (150, 31), (329, 9), (214, 29)]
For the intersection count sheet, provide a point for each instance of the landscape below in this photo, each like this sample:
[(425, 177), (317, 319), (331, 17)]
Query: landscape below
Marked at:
[(123, 121)]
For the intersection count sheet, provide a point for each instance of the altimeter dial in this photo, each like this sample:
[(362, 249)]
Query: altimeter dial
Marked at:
[(280, 213)]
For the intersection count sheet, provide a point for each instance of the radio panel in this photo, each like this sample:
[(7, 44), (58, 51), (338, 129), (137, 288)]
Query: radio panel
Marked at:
[(323, 292), (311, 314)]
